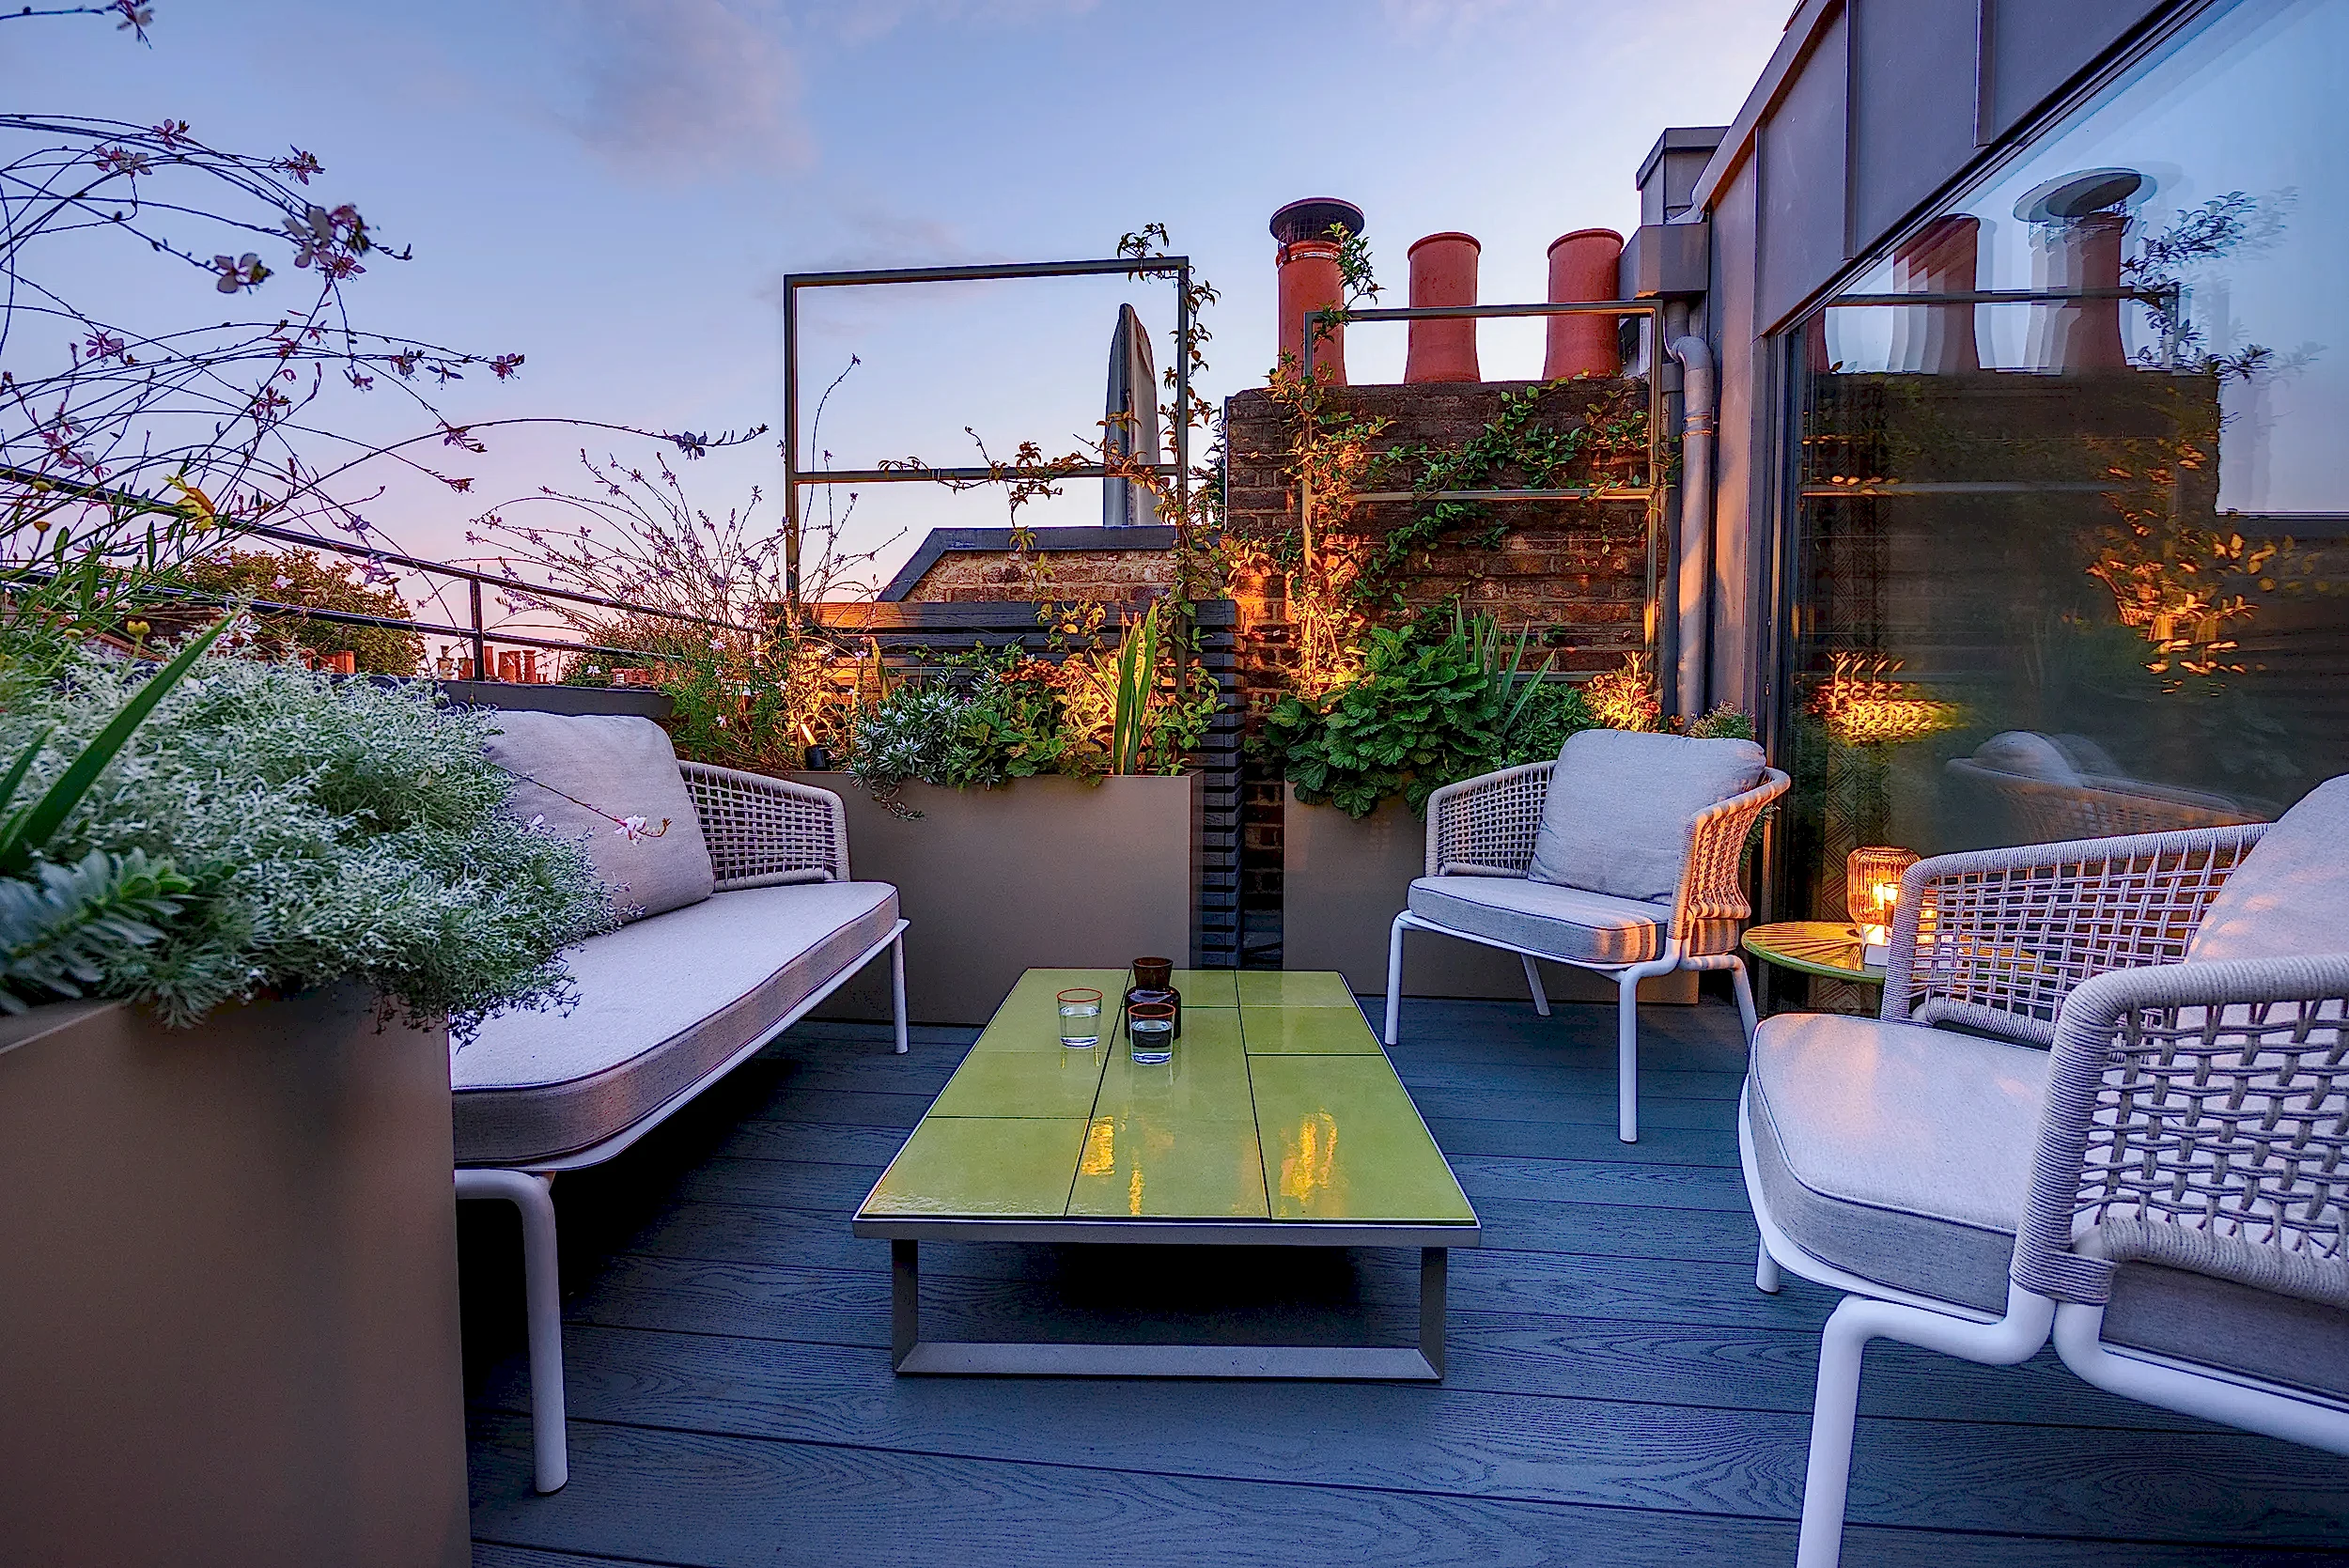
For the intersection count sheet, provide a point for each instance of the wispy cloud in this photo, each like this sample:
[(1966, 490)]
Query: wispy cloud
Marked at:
[(687, 87)]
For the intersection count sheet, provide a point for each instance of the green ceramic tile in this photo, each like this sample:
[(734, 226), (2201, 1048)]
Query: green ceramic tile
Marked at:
[(1142, 1165), (1342, 1140), (1307, 1031), (1207, 1080), (1206, 987), (1055, 1084), (1293, 988), (1030, 1021), (972, 1166)]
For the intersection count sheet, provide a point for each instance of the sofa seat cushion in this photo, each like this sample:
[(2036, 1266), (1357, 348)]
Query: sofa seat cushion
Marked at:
[(1622, 805), (1560, 923), (662, 1002), (1897, 1152), (2197, 1317), (588, 774)]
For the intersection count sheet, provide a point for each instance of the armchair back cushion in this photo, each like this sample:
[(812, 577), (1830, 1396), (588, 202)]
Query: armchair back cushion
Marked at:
[(1620, 807), (622, 766), (2288, 898)]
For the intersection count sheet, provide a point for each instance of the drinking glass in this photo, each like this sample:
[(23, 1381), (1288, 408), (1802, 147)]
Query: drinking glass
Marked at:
[(1080, 1018), (1150, 1032)]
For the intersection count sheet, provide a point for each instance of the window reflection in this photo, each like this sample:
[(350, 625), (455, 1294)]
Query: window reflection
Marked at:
[(2078, 562)]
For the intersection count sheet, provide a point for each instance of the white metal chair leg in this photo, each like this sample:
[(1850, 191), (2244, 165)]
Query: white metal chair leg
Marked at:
[(542, 1297), (898, 988), (1534, 983), (1766, 1278), (2004, 1342), (1395, 977), (1743, 985), (1628, 1056)]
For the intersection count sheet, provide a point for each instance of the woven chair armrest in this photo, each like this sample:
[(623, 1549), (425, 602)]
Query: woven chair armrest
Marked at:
[(2197, 1115), (1997, 938), (1712, 878), (763, 830), (1488, 823)]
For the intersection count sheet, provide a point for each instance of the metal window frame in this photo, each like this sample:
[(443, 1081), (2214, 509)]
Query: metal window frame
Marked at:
[(794, 481)]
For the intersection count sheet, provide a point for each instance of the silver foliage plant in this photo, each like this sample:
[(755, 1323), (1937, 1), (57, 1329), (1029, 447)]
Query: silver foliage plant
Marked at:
[(323, 830)]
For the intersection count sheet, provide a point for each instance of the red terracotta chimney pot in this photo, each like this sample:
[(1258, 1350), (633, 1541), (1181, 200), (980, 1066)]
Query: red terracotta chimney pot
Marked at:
[(1582, 267), (1443, 272)]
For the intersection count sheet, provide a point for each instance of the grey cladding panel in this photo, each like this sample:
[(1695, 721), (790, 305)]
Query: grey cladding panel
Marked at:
[(2035, 47), (1912, 104), (1802, 144)]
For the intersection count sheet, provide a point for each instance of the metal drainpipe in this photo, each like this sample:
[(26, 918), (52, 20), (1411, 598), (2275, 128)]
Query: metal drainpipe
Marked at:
[(1693, 568)]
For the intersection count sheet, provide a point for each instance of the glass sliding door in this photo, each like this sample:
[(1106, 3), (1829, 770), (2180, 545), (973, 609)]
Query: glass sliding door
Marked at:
[(2076, 562)]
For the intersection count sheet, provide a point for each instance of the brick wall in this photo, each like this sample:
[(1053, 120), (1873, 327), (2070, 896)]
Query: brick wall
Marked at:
[(1576, 572), (1110, 576)]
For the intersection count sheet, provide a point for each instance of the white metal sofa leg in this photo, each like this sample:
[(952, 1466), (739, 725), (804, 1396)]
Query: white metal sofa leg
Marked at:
[(897, 987), (1766, 1278), (542, 1295), (1534, 983), (1394, 975)]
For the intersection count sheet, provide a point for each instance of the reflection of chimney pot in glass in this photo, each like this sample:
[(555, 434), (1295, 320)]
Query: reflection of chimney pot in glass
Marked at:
[(2079, 219), (1938, 259)]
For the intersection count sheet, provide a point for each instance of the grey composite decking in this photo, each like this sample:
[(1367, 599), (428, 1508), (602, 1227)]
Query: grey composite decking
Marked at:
[(1617, 1392)]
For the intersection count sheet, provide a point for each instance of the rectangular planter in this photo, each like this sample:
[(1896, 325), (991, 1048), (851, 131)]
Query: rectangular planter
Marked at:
[(1344, 881), (1037, 873), (229, 1310)]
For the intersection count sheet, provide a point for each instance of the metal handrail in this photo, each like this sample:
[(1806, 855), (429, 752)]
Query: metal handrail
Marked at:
[(478, 634)]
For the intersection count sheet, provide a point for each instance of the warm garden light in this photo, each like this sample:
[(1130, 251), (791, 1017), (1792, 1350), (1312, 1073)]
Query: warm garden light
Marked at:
[(1872, 888)]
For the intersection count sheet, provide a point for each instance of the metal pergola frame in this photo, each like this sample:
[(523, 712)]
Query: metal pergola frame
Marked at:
[(1652, 493), (794, 481)]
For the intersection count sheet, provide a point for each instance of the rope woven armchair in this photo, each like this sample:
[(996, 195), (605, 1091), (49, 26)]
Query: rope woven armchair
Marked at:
[(2140, 1146), (1485, 883)]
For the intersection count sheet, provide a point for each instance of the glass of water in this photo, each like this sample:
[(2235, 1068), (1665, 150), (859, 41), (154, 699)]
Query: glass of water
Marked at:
[(1080, 1018), (1150, 1030)]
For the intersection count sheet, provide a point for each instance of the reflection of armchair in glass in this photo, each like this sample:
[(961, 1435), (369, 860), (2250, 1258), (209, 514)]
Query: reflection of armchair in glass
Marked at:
[(2066, 786)]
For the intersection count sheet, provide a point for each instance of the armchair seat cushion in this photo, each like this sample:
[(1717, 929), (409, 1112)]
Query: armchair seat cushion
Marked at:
[(1567, 923), (1903, 1155), (662, 1003), (1895, 1152)]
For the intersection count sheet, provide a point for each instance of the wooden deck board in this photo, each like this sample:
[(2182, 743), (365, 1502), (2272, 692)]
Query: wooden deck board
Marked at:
[(1617, 1391)]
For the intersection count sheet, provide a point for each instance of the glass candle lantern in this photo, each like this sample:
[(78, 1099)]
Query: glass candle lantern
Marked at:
[(1871, 889)]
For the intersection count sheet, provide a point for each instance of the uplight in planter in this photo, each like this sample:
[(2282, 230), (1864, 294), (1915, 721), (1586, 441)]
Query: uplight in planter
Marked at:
[(1871, 889)]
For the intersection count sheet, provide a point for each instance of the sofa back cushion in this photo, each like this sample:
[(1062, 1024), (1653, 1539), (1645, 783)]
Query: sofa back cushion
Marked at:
[(1621, 805), (2288, 898), (593, 774)]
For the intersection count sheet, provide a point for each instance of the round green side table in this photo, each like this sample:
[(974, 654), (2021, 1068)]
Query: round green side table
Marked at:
[(1827, 948)]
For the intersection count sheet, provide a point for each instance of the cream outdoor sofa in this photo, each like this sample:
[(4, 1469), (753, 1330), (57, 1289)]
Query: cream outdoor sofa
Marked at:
[(1669, 894), (2139, 1143), (669, 1004)]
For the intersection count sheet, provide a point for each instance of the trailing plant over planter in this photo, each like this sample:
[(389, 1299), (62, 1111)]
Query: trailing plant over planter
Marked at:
[(316, 832), (994, 716)]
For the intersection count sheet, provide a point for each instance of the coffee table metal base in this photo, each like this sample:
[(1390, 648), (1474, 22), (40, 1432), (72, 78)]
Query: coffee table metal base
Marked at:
[(914, 1355)]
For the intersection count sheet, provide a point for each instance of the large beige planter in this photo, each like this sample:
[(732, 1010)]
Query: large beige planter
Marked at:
[(229, 1316), (1342, 884), (1039, 872)]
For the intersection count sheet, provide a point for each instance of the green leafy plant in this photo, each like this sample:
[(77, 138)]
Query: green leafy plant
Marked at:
[(1422, 711), (1137, 669), (303, 577), (62, 928)]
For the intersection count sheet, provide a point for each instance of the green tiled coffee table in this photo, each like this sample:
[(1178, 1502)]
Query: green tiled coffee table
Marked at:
[(1279, 1123)]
